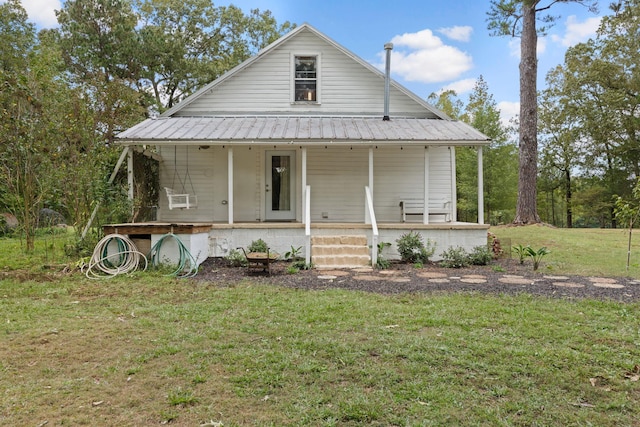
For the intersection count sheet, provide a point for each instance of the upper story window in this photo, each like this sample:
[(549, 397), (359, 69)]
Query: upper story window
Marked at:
[(306, 79)]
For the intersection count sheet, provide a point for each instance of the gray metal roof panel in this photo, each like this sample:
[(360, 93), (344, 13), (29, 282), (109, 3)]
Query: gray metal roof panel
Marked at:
[(257, 129)]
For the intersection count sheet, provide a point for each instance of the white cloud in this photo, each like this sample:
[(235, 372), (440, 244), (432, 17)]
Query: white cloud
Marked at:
[(508, 111), (41, 12), (459, 33), (460, 87), (578, 32), (423, 57)]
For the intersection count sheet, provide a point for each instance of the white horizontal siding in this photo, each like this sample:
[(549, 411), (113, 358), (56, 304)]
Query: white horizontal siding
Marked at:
[(337, 176), (346, 86), (399, 174)]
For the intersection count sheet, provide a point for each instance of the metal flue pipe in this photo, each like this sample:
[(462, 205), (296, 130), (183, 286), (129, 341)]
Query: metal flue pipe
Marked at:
[(387, 80)]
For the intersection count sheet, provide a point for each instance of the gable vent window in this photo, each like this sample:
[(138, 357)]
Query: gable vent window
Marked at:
[(306, 79)]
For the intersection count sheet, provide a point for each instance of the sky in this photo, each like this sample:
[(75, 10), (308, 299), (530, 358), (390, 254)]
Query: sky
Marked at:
[(437, 45)]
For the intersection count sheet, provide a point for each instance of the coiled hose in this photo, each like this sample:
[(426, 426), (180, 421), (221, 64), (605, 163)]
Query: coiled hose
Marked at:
[(187, 265), (105, 263)]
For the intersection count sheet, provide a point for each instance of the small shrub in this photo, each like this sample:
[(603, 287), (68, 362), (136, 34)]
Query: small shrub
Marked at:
[(235, 258), (455, 258), (258, 246), (537, 255), (480, 255), (293, 254), (412, 248), (292, 270), (418, 265), (302, 265), (522, 252), (382, 262)]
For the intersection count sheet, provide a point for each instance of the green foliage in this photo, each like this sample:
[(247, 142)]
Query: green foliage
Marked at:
[(413, 249), (293, 254), (258, 246), (302, 265), (537, 255), (382, 262), (455, 258), (236, 258), (521, 251), (480, 255)]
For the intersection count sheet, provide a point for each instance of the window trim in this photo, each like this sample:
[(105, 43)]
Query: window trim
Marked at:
[(292, 97)]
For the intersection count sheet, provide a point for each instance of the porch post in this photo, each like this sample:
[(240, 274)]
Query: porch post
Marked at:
[(480, 187), (454, 194), (367, 215), (304, 183), (230, 186), (130, 174), (425, 214)]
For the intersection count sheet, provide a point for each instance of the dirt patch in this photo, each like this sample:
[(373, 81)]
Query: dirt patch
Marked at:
[(503, 277)]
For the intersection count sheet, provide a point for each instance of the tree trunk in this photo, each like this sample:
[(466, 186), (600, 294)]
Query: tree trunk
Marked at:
[(568, 196), (526, 207)]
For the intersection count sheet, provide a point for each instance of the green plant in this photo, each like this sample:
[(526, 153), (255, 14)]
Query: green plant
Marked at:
[(292, 270), (293, 254), (235, 258), (455, 258), (182, 397), (412, 248), (480, 255), (258, 246), (537, 255), (302, 265), (382, 262), (522, 252)]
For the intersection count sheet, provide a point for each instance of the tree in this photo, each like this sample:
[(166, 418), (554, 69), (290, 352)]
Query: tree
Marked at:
[(189, 43), (500, 158), (518, 18), (24, 153)]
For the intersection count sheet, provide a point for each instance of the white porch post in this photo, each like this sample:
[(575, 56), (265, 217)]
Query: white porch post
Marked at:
[(454, 185), (304, 183), (230, 187), (480, 187), (425, 216), (367, 215)]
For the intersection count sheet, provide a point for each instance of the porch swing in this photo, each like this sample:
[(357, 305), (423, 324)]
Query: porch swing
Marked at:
[(182, 200)]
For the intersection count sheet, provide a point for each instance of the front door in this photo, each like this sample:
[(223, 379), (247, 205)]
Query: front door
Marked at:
[(280, 186)]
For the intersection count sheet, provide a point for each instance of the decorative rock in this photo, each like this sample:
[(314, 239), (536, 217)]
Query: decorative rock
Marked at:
[(568, 284), (440, 280), (366, 278), (473, 280), (602, 280), (556, 277), (326, 277), (430, 275), (609, 285), (515, 280)]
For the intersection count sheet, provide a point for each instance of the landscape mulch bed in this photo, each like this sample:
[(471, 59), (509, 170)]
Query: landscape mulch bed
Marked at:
[(504, 276)]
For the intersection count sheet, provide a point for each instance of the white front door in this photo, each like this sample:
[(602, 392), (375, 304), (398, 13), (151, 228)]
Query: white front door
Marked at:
[(280, 186)]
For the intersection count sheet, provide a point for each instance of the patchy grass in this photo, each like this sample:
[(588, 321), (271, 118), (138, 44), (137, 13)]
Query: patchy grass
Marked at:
[(147, 349), (582, 251)]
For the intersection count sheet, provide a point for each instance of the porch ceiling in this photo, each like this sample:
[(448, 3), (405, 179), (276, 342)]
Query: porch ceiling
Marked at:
[(304, 130)]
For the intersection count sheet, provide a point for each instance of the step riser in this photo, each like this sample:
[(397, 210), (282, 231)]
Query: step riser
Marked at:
[(339, 240), (340, 251)]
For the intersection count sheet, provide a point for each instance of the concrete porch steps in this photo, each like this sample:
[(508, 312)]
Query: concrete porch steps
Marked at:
[(340, 251)]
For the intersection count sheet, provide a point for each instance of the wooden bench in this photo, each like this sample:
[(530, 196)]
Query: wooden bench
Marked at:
[(416, 207), (181, 201)]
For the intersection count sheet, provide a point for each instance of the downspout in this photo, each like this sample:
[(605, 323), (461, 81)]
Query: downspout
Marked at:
[(387, 80)]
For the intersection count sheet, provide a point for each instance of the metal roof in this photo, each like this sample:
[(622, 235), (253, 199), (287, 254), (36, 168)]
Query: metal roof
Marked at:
[(304, 130)]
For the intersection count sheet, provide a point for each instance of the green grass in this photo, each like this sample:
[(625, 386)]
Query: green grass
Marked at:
[(145, 350), (582, 251)]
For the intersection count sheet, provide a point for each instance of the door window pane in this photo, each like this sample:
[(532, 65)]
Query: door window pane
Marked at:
[(281, 183)]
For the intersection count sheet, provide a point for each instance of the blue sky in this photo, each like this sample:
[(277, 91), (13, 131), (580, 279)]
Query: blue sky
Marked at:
[(437, 45)]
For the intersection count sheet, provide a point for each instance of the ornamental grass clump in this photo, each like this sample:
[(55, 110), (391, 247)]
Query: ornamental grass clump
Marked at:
[(412, 248)]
